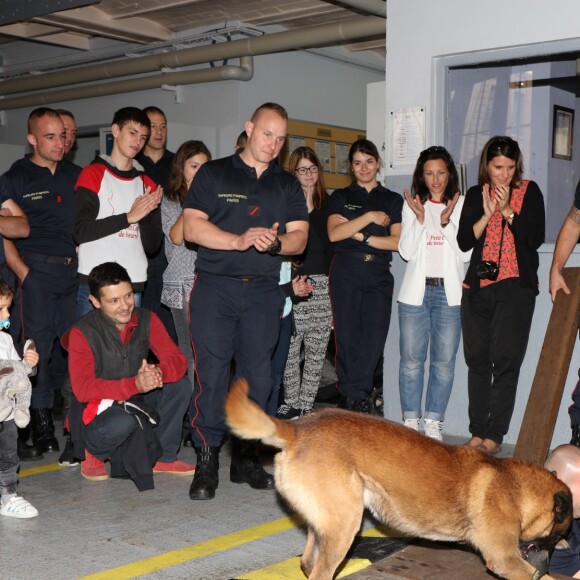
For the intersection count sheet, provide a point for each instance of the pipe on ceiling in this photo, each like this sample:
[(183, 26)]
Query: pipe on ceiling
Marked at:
[(312, 37), (243, 72), (375, 7)]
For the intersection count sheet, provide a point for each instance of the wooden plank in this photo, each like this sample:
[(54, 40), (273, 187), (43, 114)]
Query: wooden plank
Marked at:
[(436, 561), (546, 393)]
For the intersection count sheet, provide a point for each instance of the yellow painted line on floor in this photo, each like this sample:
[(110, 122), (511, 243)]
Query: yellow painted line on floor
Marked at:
[(195, 551), (40, 469), (290, 570), (381, 532)]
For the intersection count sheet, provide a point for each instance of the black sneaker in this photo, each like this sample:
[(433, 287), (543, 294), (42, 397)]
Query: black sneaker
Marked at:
[(286, 412), (67, 459)]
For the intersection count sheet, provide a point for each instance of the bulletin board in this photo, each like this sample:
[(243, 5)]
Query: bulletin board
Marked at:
[(331, 144)]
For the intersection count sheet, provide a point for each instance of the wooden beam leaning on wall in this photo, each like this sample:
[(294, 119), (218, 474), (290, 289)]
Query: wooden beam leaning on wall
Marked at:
[(546, 393)]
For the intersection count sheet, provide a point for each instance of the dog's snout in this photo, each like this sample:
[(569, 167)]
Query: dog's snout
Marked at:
[(535, 555)]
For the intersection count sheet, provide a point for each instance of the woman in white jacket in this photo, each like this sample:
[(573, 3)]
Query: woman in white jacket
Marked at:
[(430, 295)]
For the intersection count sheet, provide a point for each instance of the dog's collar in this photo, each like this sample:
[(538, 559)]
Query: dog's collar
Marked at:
[(537, 575)]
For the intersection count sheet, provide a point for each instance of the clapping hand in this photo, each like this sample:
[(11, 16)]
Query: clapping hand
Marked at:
[(416, 206), (446, 213), (489, 201)]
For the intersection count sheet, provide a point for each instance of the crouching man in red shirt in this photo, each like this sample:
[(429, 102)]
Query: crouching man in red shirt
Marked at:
[(125, 410)]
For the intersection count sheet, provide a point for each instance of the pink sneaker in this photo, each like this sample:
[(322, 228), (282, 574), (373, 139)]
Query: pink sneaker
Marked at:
[(175, 467), (93, 469)]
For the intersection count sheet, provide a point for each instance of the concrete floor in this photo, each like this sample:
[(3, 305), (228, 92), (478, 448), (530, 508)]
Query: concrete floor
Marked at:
[(108, 530)]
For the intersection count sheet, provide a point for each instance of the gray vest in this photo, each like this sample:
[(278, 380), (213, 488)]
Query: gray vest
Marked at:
[(113, 359)]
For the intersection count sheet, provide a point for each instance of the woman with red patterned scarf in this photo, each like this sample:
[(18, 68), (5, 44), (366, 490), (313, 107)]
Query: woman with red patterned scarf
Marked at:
[(503, 221)]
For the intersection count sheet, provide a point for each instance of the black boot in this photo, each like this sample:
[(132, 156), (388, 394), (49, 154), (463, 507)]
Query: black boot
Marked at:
[(353, 405), (43, 430), (206, 478), (246, 467), (575, 435), (375, 402), (27, 452)]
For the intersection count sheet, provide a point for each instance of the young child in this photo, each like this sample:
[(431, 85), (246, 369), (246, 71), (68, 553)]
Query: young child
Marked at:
[(11, 504)]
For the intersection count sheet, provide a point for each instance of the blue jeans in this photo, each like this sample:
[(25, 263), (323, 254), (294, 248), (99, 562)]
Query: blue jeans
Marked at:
[(437, 323), (84, 305)]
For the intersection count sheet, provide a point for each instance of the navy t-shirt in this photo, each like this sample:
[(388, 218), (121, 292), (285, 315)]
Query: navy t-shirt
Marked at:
[(47, 200), (567, 562), (158, 171), (354, 201), (577, 196), (235, 199)]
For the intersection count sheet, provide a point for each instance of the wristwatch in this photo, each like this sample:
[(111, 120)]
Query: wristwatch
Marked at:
[(366, 238), (275, 248), (510, 216)]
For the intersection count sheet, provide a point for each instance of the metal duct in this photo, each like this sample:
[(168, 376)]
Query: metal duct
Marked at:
[(376, 7), (316, 36), (243, 72)]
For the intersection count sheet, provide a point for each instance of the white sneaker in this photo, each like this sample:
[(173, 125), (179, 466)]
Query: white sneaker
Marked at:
[(433, 429), (18, 507), (412, 424)]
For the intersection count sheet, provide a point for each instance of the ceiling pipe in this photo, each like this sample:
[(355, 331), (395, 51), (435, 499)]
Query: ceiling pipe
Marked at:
[(312, 37), (243, 72), (375, 7)]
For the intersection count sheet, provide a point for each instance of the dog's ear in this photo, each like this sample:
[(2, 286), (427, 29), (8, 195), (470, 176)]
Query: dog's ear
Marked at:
[(562, 507)]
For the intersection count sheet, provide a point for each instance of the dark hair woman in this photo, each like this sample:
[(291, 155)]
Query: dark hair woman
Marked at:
[(178, 276), (364, 223), (430, 295), (503, 221)]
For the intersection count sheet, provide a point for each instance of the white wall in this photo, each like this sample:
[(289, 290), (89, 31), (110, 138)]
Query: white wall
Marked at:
[(8, 154), (453, 28), (376, 115), (451, 32)]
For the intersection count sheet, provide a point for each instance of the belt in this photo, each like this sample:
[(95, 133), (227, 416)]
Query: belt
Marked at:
[(434, 282), (363, 257), (66, 260)]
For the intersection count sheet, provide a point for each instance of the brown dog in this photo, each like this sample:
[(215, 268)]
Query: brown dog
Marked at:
[(335, 463)]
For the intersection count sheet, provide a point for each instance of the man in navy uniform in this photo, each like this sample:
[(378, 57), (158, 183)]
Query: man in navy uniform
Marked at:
[(41, 186), (245, 212)]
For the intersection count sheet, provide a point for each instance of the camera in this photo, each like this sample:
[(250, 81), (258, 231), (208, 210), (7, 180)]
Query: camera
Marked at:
[(487, 270)]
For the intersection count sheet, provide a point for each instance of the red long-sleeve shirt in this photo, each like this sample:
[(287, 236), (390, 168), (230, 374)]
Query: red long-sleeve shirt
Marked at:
[(88, 388)]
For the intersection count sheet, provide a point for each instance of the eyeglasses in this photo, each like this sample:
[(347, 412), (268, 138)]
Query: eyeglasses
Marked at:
[(304, 170)]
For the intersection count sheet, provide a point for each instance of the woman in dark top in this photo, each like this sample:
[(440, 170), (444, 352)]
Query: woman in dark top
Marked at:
[(364, 223), (503, 221), (312, 316)]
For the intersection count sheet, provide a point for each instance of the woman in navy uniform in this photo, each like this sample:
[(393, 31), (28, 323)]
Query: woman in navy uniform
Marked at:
[(364, 224)]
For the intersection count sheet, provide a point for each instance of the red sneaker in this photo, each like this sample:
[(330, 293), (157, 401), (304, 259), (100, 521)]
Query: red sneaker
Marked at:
[(93, 469), (175, 467)]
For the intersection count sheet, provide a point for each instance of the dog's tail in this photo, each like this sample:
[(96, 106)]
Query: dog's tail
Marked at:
[(248, 421)]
